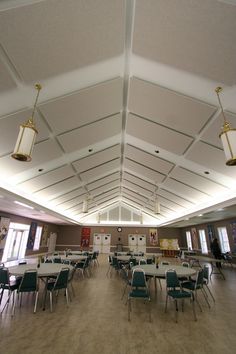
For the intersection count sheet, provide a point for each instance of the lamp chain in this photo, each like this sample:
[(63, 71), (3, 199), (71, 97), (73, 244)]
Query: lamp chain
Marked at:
[(218, 90), (38, 87)]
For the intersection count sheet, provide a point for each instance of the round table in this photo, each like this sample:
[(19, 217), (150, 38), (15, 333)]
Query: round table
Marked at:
[(45, 269), (70, 258), (150, 269)]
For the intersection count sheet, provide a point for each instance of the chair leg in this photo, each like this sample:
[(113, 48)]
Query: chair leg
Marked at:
[(67, 300), (210, 292), (205, 297), (166, 303), (129, 308), (50, 295), (176, 311), (193, 305), (7, 302), (36, 301)]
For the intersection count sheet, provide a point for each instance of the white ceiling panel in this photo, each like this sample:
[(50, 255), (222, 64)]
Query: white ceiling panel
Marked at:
[(101, 170), (148, 160), (138, 189), (140, 182), (128, 110), (210, 157), (157, 135), (175, 198), (106, 98), (103, 181), (203, 184), (58, 188), (91, 134), (56, 42), (187, 192), (168, 108), (97, 159), (143, 171), (6, 82), (43, 152), (47, 179), (195, 36), (105, 188), (68, 196)]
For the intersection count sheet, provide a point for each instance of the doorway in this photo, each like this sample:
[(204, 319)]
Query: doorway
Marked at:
[(16, 242), (137, 243), (102, 243)]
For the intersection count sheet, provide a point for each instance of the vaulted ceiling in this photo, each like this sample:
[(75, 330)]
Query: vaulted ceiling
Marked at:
[(127, 112)]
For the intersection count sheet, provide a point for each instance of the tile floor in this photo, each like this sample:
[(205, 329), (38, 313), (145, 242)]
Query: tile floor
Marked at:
[(96, 322)]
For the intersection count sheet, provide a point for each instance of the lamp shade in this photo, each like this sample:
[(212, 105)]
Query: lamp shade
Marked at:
[(228, 139), (85, 206), (157, 207), (25, 142)]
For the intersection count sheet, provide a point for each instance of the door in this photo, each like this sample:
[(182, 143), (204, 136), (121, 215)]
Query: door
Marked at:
[(137, 243), (52, 242), (102, 243)]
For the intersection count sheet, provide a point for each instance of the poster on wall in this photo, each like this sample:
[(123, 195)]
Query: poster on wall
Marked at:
[(153, 237), (194, 238), (31, 237), (4, 227), (44, 236), (169, 244), (233, 228), (85, 237)]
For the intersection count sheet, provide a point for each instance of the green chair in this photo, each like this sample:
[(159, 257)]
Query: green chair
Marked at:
[(125, 277), (28, 284), (206, 278), (175, 291), (7, 284), (196, 285), (61, 282), (83, 266), (139, 289)]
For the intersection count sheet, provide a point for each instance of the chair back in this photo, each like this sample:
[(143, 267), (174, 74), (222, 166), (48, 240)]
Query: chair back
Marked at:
[(165, 263), (62, 279), (29, 281), (57, 260), (206, 273), (200, 279), (142, 261), (172, 280), (138, 279), (185, 264), (4, 276)]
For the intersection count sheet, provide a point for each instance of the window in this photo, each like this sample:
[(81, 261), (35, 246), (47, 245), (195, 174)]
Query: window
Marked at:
[(224, 240), (189, 240), (202, 236), (37, 238), (16, 242)]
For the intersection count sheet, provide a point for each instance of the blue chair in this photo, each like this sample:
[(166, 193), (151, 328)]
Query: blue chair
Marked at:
[(139, 289), (196, 285), (175, 291), (7, 284), (28, 284), (61, 282)]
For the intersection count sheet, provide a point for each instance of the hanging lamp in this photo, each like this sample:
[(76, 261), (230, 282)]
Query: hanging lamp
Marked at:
[(27, 135)]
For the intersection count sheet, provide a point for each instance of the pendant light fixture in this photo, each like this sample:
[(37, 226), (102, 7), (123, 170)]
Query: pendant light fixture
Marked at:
[(228, 136), (85, 205), (157, 207), (27, 135)]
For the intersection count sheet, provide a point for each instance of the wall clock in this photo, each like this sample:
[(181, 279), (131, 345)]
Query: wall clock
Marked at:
[(119, 229)]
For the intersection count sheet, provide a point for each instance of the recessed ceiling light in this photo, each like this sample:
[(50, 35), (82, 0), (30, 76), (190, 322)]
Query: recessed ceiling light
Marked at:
[(206, 172), (90, 150), (24, 205), (157, 151), (200, 215)]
